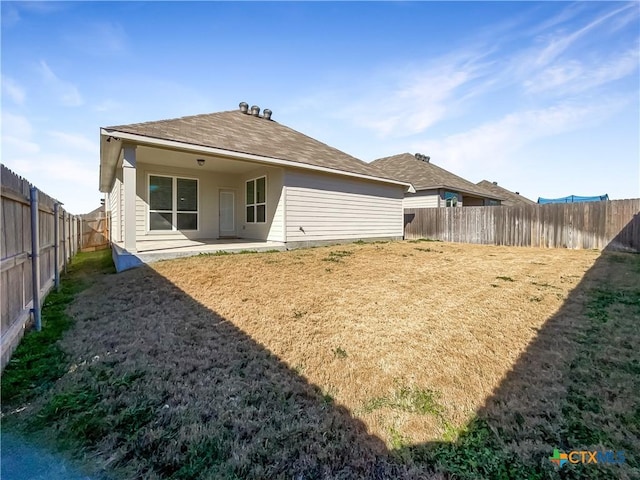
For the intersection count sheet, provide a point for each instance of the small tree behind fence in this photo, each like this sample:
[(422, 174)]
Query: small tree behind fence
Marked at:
[(37, 241)]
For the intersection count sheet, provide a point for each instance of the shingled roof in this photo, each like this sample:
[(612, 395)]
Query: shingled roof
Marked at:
[(244, 133), (510, 198), (424, 175)]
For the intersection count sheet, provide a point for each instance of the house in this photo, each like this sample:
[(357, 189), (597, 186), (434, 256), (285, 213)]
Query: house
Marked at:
[(434, 186), (238, 175), (510, 198)]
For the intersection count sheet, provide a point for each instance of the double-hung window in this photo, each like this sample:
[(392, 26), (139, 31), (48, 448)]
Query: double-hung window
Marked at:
[(256, 200), (173, 203)]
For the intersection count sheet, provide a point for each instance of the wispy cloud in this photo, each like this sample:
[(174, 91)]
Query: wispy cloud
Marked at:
[(13, 90), (17, 134), (74, 141), (415, 98), (576, 76), (576, 56), (570, 54), (557, 44), (491, 144), (68, 158), (66, 93)]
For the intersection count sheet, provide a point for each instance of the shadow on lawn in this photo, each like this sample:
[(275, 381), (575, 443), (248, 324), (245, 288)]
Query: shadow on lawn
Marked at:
[(576, 387), (163, 387)]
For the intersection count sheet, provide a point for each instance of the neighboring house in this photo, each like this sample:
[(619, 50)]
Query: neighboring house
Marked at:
[(434, 186), (510, 198), (239, 174)]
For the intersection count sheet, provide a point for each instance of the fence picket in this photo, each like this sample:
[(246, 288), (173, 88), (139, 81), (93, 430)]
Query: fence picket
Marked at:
[(16, 262), (609, 224)]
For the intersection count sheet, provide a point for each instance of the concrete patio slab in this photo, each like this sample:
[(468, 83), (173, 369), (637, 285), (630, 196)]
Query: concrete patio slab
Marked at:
[(153, 250)]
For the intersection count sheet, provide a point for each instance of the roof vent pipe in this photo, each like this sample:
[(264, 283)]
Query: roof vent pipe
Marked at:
[(255, 111), (495, 183), (244, 107), (267, 114)]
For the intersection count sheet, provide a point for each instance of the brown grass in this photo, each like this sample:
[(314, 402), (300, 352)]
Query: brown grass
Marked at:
[(316, 363), (440, 318)]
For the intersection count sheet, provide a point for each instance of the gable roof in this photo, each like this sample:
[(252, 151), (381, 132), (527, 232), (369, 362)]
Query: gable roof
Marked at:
[(244, 133), (426, 176), (510, 198)]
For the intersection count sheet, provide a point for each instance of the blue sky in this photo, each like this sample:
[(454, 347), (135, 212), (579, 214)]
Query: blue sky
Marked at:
[(542, 97)]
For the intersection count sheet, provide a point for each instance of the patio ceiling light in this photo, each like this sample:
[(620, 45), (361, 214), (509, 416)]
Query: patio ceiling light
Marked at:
[(200, 161)]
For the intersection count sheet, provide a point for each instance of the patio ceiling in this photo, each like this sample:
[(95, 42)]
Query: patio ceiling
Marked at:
[(173, 158)]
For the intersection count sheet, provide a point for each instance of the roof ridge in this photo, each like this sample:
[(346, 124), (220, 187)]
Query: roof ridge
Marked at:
[(426, 175), (185, 117)]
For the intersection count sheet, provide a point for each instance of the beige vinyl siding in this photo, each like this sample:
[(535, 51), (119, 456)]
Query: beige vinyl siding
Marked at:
[(114, 207), (329, 207), (276, 230), (121, 205), (421, 199), (272, 228)]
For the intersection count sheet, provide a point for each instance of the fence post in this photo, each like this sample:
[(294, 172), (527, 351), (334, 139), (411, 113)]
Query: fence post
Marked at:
[(56, 245), (35, 258), (64, 240)]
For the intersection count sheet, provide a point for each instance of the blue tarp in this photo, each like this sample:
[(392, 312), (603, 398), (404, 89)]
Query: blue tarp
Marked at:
[(573, 199)]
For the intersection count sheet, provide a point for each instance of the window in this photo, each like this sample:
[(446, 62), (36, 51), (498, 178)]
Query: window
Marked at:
[(256, 200), (173, 203), (450, 199)]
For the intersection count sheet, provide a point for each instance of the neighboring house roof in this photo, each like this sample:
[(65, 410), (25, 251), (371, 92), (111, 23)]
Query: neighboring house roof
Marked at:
[(424, 175), (247, 134), (510, 198)]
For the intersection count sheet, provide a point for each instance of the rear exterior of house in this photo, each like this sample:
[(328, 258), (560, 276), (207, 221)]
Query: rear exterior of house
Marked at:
[(239, 175), (434, 186)]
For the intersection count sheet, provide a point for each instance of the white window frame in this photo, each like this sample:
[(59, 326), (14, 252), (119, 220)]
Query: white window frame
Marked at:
[(255, 204), (174, 204)]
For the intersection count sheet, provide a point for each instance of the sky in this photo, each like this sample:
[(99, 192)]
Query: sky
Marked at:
[(541, 97)]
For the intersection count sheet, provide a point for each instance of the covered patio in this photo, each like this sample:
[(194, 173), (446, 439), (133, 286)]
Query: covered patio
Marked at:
[(148, 251)]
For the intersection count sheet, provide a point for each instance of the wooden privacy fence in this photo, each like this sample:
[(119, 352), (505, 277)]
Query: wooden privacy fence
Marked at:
[(28, 273), (608, 224), (94, 234)]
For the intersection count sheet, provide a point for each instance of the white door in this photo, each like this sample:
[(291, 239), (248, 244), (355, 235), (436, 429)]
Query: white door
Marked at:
[(227, 213)]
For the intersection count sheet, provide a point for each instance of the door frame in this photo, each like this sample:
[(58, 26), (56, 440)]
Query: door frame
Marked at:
[(233, 234)]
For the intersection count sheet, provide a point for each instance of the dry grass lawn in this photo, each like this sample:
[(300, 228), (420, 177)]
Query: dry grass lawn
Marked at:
[(353, 361), (368, 322)]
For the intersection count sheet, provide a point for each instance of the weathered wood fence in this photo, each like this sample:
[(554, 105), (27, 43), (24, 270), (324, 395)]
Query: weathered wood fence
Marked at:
[(599, 225), (26, 278), (94, 234)]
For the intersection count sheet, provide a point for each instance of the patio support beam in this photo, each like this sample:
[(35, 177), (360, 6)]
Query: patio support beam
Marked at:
[(129, 183)]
